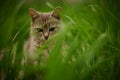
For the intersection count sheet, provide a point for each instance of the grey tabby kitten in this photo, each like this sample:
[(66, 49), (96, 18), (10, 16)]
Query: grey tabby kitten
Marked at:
[(43, 26)]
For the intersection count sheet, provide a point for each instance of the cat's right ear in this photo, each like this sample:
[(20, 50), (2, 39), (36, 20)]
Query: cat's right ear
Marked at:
[(56, 12), (33, 13)]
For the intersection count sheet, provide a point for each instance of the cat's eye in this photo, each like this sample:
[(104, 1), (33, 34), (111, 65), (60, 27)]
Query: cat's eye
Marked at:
[(52, 29), (40, 30)]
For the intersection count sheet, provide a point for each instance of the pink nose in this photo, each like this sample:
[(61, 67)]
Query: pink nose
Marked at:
[(46, 37)]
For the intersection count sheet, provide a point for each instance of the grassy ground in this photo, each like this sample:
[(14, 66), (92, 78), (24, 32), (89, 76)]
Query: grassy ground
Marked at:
[(90, 34)]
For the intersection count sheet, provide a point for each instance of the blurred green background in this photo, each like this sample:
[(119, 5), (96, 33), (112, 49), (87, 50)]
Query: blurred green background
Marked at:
[(90, 31)]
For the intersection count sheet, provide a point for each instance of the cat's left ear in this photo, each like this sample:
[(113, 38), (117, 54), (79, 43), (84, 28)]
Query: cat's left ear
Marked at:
[(56, 12), (33, 13)]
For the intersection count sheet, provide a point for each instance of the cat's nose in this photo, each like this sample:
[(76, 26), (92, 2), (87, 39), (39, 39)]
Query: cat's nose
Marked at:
[(46, 37)]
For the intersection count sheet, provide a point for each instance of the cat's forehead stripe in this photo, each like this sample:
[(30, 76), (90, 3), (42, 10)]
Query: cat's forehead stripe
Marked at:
[(45, 17)]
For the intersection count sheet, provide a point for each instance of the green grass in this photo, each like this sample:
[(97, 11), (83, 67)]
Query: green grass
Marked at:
[(89, 38)]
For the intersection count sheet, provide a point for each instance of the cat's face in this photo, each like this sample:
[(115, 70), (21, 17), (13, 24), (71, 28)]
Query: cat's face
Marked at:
[(46, 24)]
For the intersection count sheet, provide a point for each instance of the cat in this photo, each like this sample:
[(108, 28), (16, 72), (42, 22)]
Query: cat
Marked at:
[(43, 26)]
